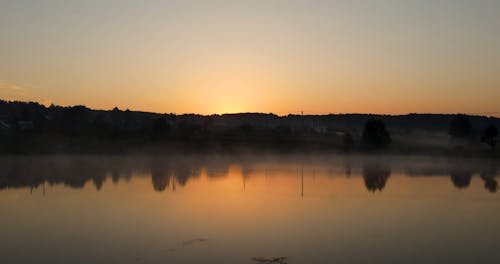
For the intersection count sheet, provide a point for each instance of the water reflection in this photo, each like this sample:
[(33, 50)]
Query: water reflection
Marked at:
[(169, 173), (488, 174), (461, 177), (376, 175), (248, 209)]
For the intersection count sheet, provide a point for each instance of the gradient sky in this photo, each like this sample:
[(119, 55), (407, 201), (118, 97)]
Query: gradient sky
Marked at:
[(263, 56)]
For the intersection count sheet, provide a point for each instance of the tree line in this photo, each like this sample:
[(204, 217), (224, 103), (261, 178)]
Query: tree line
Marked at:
[(376, 135), (28, 127)]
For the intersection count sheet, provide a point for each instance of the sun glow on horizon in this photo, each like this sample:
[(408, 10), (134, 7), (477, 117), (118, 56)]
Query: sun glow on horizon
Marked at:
[(385, 57)]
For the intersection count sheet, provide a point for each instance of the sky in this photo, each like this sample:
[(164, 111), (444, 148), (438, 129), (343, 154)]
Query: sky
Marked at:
[(384, 56)]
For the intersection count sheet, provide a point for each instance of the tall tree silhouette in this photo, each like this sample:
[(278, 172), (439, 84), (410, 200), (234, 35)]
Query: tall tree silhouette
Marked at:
[(490, 135), (375, 134)]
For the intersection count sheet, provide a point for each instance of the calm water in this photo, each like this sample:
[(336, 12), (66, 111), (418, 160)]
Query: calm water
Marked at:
[(231, 209)]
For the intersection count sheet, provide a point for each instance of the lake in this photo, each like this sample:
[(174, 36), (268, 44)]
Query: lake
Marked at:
[(249, 209)]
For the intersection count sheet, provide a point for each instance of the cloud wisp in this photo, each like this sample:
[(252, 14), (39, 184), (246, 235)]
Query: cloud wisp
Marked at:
[(13, 92)]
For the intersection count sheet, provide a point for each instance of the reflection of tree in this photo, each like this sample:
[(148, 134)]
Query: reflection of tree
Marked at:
[(216, 168), (82, 171), (460, 177), (376, 176), (115, 176), (183, 172), (348, 167), (160, 176), (160, 181), (76, 172), (490, 184), (246, 170), (17, 175), (165, 172), (488, 175), (98, 181)]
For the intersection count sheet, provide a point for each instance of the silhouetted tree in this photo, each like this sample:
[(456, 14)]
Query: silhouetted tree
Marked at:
[(246, 128), (187, 130), (490, 135), (33, 128), (100, 127), (282, 130), (246, 131), (375, 134), (460, 127), (160, 130), (74, 120)]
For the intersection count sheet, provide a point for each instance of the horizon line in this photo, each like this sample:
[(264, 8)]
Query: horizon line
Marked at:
[(279, 114)]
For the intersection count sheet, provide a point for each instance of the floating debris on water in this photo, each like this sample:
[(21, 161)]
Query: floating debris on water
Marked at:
[(275, 260), (193, 241), (186, 243)]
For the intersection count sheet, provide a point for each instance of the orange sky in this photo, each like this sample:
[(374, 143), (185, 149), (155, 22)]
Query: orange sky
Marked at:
[(254, 56)]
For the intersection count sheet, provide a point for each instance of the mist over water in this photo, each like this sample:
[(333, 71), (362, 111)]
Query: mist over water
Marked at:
[(264, 132), (246, 208)]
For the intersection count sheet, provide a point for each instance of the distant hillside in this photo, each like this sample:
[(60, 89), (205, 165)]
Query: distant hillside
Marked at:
[(31, 127)]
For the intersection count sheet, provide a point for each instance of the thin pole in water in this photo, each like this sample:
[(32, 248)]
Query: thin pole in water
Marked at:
[(302, 181)]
